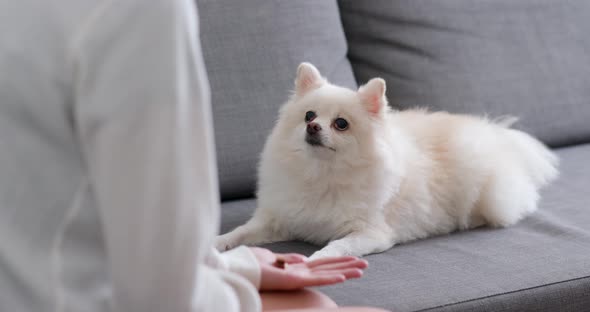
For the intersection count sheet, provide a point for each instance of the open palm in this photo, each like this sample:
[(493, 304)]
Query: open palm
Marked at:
[(299, 273)]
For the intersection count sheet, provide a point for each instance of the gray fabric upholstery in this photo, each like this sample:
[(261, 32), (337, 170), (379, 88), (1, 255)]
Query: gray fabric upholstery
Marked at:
[(541, 264), (251, 50), (566, 296), (528, 58)]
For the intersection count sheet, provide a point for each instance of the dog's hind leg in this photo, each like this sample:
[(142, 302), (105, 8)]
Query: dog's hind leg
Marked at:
[(508, 197)]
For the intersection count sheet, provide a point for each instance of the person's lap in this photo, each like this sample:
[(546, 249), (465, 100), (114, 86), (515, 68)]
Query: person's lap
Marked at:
[(305, 300), (300, 299)]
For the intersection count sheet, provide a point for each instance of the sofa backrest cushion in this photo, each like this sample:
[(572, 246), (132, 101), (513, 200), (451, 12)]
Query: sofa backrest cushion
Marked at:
[(527, 58), (252, 50)]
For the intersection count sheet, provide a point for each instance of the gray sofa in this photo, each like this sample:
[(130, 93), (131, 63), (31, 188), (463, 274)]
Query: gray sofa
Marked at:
[(528, 58)]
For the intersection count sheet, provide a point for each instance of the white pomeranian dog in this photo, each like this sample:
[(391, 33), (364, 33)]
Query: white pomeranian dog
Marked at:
[(341, 168)]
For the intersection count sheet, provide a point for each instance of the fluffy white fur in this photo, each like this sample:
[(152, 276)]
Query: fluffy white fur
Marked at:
[(391, 177)]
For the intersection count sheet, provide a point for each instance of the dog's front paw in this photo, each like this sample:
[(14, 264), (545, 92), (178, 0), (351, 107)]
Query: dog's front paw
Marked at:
[(324, 253), (224, 243)]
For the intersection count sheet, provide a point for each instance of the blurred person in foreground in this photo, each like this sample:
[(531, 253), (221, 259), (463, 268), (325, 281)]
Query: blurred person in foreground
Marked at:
[(108, 196)]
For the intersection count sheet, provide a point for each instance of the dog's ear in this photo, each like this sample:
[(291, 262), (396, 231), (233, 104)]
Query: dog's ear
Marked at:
[(372, 95), (308, 78)]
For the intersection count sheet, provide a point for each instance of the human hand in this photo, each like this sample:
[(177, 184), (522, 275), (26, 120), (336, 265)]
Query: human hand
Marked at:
[(299, 273)]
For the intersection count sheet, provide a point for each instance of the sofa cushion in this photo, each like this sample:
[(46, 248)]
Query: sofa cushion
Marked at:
[(251, 50), (528, 58), (540, 264)]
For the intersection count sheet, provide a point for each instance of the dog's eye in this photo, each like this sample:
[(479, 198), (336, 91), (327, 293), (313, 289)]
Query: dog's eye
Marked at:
[(309, 116), (341, 124)]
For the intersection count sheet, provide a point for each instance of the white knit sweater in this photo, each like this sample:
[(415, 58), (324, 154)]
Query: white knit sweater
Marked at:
[(108, 187)]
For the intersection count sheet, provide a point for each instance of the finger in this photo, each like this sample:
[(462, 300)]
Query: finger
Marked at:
[(321, 280), (292, 258), (328, 260), (348, 273), (357, 263)]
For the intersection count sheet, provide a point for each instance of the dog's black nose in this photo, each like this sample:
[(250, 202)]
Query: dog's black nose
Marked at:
[(313, 128)]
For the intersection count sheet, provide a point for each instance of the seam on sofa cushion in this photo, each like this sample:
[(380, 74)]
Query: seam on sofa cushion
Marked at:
[(503, 293)]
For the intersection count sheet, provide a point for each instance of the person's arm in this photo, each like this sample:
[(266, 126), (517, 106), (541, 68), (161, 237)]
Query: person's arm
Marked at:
[(142, 115)]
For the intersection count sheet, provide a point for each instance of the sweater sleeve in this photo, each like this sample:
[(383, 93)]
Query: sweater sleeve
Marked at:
[(238, 260), (142, 115)]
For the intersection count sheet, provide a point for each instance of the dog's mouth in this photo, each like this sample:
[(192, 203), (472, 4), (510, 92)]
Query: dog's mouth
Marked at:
[(317, 142)]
